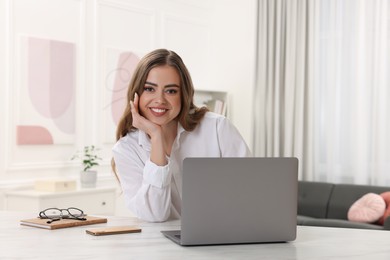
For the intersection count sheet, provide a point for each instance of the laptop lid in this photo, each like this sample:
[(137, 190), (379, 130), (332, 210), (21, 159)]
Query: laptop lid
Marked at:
[(239, 200)]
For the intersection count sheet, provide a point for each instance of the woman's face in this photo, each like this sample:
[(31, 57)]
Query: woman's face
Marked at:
[(160, 101)]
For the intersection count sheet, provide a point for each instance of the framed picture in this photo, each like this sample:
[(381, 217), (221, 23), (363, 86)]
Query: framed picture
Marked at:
[(46, 100)]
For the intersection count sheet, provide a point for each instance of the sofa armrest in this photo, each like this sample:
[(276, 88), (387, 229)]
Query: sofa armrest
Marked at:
[(313, 198), (386, 224)]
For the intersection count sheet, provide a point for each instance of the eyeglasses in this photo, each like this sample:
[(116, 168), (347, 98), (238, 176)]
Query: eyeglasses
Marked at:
[(55, 214)]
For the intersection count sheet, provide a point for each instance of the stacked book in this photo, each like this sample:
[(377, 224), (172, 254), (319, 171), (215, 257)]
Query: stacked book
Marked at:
[(217, 106)]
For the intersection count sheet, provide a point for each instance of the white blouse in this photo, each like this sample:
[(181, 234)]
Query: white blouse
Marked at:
[(153, 193)]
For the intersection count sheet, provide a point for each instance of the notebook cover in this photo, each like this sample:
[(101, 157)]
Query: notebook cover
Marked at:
[(63, 223)]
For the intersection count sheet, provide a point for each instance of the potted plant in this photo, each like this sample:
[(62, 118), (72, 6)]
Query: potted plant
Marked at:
[(89, 160)]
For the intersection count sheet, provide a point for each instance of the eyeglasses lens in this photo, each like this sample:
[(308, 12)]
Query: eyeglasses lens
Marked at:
[(73, 212), (53, 213)]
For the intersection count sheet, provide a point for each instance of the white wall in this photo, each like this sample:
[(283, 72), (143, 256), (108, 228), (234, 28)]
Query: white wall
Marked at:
[(234, 58), (216, 39)]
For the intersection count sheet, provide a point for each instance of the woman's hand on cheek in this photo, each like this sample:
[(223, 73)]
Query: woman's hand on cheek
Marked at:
[(141, 122)]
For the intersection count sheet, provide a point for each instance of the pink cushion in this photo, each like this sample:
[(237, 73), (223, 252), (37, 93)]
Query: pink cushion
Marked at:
[(386, 197), (367, 209)]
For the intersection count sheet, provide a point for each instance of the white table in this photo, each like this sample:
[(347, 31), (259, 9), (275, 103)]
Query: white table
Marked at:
[(22, 242)]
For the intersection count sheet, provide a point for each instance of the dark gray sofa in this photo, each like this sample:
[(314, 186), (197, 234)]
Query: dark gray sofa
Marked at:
[(327, 204)]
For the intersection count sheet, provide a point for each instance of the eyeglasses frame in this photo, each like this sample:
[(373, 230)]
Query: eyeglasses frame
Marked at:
[(42, 214)]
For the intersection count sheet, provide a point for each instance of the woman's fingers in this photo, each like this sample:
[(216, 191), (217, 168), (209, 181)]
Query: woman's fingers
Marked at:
[(137, 118), (136, 99), (134, 104), (134, 111), (131, 106)]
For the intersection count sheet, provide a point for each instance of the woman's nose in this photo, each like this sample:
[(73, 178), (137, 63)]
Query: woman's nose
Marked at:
[(160, 97)]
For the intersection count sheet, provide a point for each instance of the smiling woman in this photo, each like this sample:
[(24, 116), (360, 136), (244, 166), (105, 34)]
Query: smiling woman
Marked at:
[(160, 127)]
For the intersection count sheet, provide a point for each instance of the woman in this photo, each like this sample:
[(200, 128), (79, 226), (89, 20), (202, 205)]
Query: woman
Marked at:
[(159, 128)]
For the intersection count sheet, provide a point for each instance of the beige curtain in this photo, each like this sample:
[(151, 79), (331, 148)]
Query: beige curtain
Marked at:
[(322, 91), (283, 97), (352, 135)]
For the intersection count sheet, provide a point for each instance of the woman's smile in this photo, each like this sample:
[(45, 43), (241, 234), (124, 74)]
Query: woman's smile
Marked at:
[(158, 111)]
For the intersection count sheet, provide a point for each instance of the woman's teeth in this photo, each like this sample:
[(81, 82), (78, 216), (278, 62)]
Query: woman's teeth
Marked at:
[(158, 110)]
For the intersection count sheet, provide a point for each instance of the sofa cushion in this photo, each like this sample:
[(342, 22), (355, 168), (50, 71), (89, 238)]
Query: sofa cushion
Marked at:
[(386, 214), (313, 198), (367, 209), (344, 195)]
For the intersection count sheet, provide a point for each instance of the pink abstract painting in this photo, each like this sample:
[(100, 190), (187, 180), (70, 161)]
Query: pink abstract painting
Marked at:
[(33, 135), (50, 88)]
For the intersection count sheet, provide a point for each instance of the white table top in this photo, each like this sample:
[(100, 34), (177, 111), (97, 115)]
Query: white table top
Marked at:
[(22, 242)]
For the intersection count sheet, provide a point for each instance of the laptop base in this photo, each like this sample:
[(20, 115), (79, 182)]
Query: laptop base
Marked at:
[(174, 235)]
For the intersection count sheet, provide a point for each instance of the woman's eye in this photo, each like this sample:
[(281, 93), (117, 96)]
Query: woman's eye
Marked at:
[(148, 89), (171, 91)]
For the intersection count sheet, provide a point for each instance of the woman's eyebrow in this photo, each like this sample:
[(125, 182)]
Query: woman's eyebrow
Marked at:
[(166, 86), (172, 85), (150, 83)]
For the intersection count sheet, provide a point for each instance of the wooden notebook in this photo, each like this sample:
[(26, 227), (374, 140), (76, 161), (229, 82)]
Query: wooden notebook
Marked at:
[(62, 223)]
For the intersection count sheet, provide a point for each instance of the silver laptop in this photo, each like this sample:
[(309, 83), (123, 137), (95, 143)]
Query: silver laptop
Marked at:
[(238, 200)]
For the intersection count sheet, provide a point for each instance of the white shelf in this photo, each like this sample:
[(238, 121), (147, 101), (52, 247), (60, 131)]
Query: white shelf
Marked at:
[(216, 101)]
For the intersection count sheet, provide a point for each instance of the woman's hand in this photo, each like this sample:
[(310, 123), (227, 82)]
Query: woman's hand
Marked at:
[(141, 122), (154, 131)]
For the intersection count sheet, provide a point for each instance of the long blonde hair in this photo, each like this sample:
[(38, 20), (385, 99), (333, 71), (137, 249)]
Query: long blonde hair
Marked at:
[(189, 116)]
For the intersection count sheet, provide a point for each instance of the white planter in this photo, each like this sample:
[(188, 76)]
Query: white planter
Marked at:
[(88, 179)]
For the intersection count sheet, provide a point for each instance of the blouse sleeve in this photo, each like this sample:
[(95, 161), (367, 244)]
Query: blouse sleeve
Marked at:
[(230, 140), (145, 185)]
